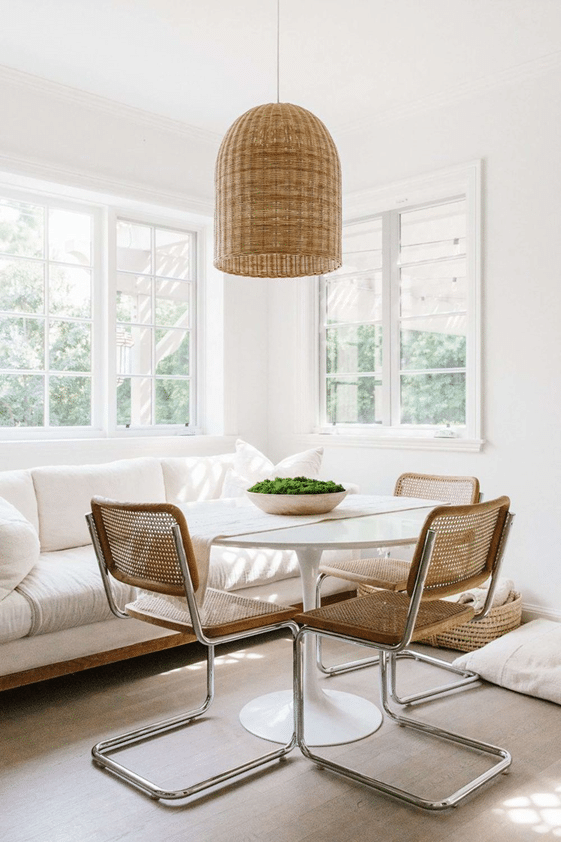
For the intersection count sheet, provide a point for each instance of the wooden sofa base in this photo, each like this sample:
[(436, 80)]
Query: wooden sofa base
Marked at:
[(20, 679)]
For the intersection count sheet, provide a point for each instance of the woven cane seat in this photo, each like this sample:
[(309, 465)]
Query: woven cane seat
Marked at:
[(380, 617), (222, 613), (388, 573)]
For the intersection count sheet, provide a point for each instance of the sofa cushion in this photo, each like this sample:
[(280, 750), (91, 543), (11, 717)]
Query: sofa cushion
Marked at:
[(251, 466), (64, 493), (19, 547), (65, 590), (231, 568), (192, 478), (15, 618), (17, 488)]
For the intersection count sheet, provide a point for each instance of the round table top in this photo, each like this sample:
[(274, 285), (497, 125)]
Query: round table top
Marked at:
[(382, 530)]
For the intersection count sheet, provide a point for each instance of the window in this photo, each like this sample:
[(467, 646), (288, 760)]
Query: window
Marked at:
[(46, 315), (81, 344), (399, 322), (155, 319)]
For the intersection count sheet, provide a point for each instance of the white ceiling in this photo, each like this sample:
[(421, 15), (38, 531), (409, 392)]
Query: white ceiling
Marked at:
[(204, 62)]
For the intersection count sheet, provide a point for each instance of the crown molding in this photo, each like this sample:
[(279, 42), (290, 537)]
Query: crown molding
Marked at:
[(513, 75), (86, 99), (33, 168)]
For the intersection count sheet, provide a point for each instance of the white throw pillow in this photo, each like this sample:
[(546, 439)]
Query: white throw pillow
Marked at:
[(251, 466), (17, 488), (19, 547), (64, 494), (190, 478)]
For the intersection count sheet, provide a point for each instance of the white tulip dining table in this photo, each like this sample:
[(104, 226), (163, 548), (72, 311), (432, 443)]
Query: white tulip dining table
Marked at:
[(332, 716)]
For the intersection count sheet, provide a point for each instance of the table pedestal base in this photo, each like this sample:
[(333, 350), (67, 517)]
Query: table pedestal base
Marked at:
[(330, 718)]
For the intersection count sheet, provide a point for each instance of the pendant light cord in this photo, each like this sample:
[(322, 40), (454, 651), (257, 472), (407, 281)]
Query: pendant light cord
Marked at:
[(278, 50)]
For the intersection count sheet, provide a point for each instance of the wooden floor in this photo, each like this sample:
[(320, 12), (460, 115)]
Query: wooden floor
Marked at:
[(51, 792)]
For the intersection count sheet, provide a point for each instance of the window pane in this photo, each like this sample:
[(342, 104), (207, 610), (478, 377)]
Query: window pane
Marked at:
[(70, 401), (22, 343), (172, 303), (70, 239), (434, 288), (429, 233), (437, 342), (354, 400), (134, 350), (173, 253), (172, 401), (70, 346), (354, 299), (21, 286), (433, 398), (134, 401), (134, 247), (21, 228), (362, 246), (70, 291), (354, 348), (21, 400), (172, 351), (134, 298)]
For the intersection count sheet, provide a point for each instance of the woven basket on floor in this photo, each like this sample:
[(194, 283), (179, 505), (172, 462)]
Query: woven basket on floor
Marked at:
[(500, 620)]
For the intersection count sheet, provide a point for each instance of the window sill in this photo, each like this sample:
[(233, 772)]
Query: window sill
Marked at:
[(30, 434), (391, 440)]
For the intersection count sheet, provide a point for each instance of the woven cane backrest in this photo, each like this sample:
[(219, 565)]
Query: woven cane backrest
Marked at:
[(455, 490), (466, 547), (138, 544)]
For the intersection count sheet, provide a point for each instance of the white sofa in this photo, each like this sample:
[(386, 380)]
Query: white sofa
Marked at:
[(54, 617)]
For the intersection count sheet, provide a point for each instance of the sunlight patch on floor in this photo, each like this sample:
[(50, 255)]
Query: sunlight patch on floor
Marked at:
[(541, 812), (231, 658)]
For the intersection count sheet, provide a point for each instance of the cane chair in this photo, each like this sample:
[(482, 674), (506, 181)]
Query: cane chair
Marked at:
[(458, 546), (148, 546), (391, 573)]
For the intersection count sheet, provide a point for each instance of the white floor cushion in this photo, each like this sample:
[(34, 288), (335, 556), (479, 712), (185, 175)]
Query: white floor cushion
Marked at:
[(527, 660)]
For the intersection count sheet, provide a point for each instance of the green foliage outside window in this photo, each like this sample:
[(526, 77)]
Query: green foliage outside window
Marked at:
[(22, 338)]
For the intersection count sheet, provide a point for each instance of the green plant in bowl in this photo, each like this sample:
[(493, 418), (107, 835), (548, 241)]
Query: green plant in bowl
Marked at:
[(296, 485), (296, 495)]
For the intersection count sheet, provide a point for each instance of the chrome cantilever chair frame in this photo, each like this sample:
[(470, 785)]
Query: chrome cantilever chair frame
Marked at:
[(102, 750), (387, 661), (467, 677)]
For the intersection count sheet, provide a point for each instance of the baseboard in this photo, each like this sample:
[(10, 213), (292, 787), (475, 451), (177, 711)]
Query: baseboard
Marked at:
[(538, 612)]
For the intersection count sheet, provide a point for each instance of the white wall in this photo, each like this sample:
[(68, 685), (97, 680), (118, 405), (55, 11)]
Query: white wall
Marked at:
[(515, 130)]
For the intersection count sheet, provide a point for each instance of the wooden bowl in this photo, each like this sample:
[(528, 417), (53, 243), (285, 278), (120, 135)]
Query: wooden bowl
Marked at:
[(297, 504)]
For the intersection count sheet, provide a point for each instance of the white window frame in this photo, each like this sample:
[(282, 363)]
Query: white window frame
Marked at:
[(197, 349), (442, 186), (97, 378), (105, 210)]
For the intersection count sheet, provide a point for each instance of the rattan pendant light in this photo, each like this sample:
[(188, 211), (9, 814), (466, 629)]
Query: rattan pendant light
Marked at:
[(278, 195)]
